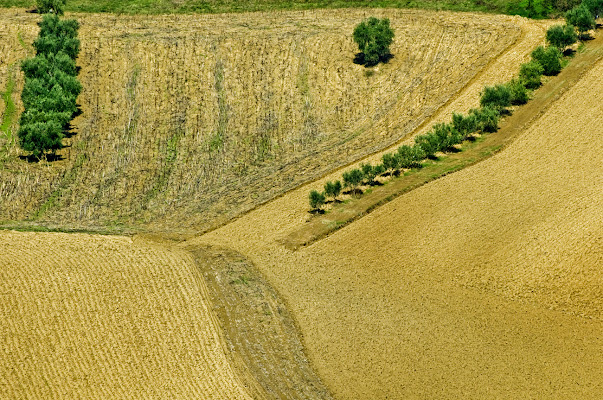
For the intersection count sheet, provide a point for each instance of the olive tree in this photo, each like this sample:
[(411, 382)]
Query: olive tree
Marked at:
[(373, 37), (561, 36)]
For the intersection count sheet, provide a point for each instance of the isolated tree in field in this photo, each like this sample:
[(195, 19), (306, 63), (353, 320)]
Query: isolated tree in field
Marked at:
[(50, 6), (581, 17), (332, 189), (317, 199), (561, 36), (530, 74), (496, 97), (373, 37), (549, 58)]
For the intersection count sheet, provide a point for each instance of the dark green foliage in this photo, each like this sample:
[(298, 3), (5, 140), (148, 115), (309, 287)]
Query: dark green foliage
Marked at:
[(316, 199), (410, 157), (42, 65), (50, 6), (353, 178), (549, 58), (58, 35), (428, 143), (594, 6), (486, 119), (391, 161), (530, 8), (378, 169), (35, 115), (464, 125), (519, 93), (530, 74), (581, 17), (51, 87), (369, 172), (496, 97), (332, 189), (561, 36), (39, 137), (373, 37)]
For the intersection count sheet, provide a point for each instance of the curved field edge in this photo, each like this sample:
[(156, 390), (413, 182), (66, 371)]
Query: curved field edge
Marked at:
[(231, 6), (105, 316), (263, 339), (485, 283), (339, 215), (206, 155)]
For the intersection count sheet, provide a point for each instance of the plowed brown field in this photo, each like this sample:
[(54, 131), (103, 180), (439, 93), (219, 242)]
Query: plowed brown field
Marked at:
[(190, 120), (102, 317), (483, 284)]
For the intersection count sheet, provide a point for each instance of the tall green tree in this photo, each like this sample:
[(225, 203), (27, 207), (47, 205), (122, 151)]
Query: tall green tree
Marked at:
[(581, 17), (373, 37)]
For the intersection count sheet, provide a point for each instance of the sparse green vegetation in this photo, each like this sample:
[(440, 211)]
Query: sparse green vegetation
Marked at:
[(513, 7)]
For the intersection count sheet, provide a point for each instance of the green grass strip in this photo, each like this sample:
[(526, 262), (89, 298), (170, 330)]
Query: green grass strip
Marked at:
[(229, 6)]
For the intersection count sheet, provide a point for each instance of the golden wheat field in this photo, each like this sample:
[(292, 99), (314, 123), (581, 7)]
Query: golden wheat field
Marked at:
[(104, 317), (484, 284), (190, 120)]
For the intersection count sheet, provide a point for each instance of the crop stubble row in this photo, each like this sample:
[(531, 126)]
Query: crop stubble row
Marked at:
[(99, 316), (190, 120)]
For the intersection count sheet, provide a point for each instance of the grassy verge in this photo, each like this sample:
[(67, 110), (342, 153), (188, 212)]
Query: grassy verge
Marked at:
[(9, 114), (227, 6)]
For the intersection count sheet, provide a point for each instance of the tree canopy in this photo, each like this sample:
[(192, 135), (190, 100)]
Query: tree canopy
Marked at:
[(374, 36)]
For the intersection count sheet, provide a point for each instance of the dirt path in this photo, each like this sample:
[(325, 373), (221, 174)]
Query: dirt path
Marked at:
[(483, 284)]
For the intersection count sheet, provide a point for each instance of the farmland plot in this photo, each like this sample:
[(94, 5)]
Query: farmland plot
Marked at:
[(104, 317), (190, 120), (484, 284)]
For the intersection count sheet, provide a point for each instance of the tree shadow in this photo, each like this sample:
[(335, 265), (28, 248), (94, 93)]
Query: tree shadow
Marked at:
[(569, 52), (585, 37), (360, 59), (51, 157), (317, 211), (354, 192)]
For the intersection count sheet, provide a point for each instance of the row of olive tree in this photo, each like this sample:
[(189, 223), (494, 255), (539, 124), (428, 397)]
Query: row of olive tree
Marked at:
[(51, 87), (443, 137)]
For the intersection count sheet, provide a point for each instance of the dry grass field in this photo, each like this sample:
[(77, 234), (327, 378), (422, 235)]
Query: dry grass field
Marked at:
[(104, 317), (484, 284), (190, 120)]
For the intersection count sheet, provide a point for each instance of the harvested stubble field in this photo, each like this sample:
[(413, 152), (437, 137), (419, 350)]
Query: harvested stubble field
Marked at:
[(104, 317), (190, 120), (484, 284)]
